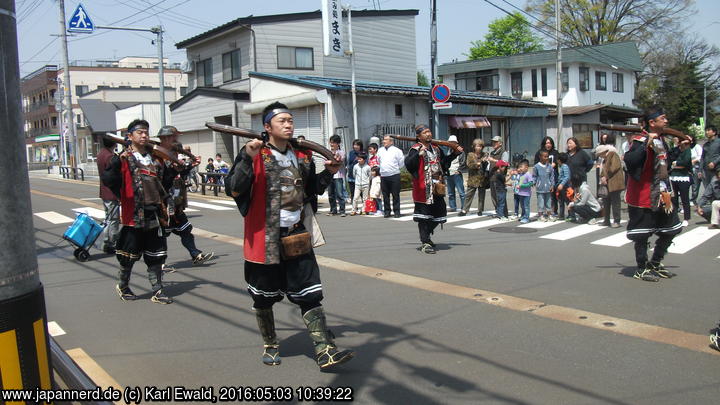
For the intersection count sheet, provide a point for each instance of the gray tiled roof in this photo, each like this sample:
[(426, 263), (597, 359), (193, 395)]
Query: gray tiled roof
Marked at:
[(624, 55)]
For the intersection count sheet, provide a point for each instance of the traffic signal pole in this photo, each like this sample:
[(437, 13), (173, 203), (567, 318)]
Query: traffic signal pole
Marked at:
[(24, 349)]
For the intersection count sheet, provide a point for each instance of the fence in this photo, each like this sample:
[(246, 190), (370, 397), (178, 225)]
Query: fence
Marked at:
[(397, 129)]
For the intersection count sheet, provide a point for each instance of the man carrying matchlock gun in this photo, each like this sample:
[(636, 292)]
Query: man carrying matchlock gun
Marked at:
[(273, 184)]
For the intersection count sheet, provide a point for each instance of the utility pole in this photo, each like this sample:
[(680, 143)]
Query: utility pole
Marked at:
[(70, 120), (351, 52), (704, 107), (158, 31), (559, 73), (24, 349), (433, 66)]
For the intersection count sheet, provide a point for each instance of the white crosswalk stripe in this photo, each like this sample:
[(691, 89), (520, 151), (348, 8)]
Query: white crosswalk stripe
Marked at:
[(224, 202), (482, 224), (92, 212), (54, 217), (540, 224), (617, 240), (691, 239), (209, 206), (573, 232)]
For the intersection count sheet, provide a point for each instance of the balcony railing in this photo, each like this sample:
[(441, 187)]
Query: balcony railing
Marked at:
[(41, 131)]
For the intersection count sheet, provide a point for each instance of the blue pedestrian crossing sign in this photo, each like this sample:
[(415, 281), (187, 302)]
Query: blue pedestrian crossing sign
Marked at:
[(80, 21)]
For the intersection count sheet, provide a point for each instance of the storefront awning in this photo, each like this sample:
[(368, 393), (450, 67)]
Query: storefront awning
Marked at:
[(459, 121), (47, 138)]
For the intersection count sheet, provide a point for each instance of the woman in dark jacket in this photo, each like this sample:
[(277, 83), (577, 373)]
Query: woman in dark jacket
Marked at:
[(578, 160), (548, 145), (681, 176)]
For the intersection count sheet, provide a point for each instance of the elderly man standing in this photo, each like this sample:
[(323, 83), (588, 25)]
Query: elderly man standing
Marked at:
[(498, 153), (391, 160), (110, 201)]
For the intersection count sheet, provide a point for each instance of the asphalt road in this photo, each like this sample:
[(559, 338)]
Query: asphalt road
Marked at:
[(494, 317)]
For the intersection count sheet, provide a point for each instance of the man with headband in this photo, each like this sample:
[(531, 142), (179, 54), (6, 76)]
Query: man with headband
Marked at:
[(273, 185), (134, 177), (427, 163), (648, 197)]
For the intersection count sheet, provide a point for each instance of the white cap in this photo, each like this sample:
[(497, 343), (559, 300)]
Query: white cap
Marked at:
[(452, 138), (496, 138)]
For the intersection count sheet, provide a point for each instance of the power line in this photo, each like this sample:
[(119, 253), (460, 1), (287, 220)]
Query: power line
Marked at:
[(41, 49)]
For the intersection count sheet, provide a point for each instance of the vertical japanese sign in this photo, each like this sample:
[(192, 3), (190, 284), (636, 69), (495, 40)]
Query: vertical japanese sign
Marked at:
[(332, 28)]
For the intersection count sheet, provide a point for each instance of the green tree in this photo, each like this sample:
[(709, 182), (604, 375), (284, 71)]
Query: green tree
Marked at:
[(506, 36), (422, 80)]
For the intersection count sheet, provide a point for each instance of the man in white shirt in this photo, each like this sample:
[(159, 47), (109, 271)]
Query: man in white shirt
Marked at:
[(696, 158), (391, 161)]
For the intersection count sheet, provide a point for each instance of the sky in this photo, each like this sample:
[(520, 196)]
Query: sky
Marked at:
[(459, 22)]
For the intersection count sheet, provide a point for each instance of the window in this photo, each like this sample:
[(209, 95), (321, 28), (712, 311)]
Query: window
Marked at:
[(565, 79), (485, 80), (584, 79), (290, 57), (80, 90), (103, 87), (54, 121), (231, 65), (516, 84), (600, 81), (183, 91), (617, 82), (398, 110), (534, 82), (543, 81), (204, 73)]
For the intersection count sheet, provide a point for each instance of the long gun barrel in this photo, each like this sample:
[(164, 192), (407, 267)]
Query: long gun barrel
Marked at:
[(295, 143), (157, 150), (452, 145), (634, 128)]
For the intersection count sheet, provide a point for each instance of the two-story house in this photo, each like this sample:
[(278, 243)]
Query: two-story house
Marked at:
[(598, 84), (221, 59)]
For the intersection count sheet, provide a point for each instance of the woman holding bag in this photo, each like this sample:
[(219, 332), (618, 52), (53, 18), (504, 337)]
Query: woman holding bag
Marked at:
[(478, 179)]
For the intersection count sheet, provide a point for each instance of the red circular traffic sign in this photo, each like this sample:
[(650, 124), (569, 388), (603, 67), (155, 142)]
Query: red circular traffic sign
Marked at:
[(440, 93)]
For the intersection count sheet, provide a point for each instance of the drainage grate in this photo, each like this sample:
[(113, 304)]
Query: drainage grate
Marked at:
[(511, 229)]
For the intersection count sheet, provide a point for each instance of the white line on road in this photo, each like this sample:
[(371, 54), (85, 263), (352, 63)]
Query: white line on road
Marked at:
[(224, 202), (209, 206), (54, 217), (689, 240), (540, 224), (54, 329), (617, 240), (91, 198), (482, 224), (93, 212), (190, 210), (573, 232)]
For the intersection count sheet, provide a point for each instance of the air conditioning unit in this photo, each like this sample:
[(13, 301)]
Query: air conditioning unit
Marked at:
[(187, 66)]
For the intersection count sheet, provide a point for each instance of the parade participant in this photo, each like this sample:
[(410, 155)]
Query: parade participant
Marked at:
[(134, 177), (427, 163), (110, 201), (478, 177), (650, 208), (174, 183), (272, 184)]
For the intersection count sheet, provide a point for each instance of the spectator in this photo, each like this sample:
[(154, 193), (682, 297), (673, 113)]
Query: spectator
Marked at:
[(548, 145), (221, 166), (681, 176), (578, 160), (372, 158), (478, 177), (391, 160), (375, 190), (210, 168), (525, 189), (710, 155), (498, 153), (544, 175), (498, 182), (585, 206), (563, 183), (110, 201), (357, 148), (362, 183), (709, 204), (336, 190), (613, 177), (515, 187), (696, 151), (455, 181)]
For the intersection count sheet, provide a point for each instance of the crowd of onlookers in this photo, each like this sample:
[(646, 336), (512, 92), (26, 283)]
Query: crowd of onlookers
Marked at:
[(558, 180)]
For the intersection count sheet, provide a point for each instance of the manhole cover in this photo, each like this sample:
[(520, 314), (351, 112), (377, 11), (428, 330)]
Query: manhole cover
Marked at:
[(512, 229)]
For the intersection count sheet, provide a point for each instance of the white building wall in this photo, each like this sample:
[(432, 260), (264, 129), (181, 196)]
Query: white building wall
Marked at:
[(303, 33), (192, 115), (214, 48)]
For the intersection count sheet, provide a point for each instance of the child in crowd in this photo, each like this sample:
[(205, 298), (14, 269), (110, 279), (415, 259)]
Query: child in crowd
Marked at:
[(515, 185), (585, 206), (544, 175), (525, 184), (563, 183), (373, 159), (497, 181), (375, 190), (361, 173)]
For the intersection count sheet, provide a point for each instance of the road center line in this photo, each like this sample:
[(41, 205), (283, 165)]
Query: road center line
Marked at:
[(654, 333)]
